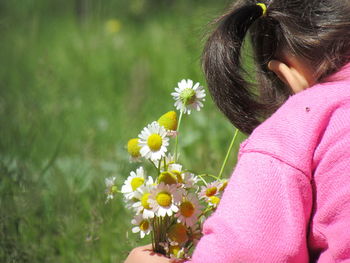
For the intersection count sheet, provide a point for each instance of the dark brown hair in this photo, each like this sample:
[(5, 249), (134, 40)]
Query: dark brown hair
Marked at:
[(317, 31)]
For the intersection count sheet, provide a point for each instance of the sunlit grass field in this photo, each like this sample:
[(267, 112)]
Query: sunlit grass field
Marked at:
[(73, 90)]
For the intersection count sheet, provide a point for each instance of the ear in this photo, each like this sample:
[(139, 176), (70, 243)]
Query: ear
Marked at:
[(289, 75)]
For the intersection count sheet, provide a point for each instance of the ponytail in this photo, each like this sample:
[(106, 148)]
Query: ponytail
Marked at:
[(299, 27), (224, 71)]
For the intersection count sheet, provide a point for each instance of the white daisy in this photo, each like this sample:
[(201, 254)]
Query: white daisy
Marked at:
[(142, 206), (189, 180), (153, 141), (142, 225), (134, 181), (174, 251), (189, 210), (111, 188), (188, 97), (164, 199), (210, 190), (136, 198)]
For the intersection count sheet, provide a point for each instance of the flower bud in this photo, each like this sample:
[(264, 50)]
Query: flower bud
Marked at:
[(168, 121), (134, 148), (167, 178)]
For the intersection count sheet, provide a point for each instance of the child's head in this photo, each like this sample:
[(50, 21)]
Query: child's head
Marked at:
[(316, 33)]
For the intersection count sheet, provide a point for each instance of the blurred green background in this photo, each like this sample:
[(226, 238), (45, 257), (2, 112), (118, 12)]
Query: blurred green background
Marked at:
[(77, 80)]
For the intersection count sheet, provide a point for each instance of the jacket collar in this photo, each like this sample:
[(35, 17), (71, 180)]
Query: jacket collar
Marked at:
[(341, 75)]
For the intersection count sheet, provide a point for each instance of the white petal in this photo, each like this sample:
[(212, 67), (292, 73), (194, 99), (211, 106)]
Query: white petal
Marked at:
[(137, 204), (182, 84), (142, 234), (156, 156), (125, 189), (189, 84), (200, 95), (148, 213), (144, 150), (150, 180), (162, 212), (175, 208), (169, 212)]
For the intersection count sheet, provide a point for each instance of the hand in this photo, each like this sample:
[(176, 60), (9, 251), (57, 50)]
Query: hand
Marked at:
[(146, 255)]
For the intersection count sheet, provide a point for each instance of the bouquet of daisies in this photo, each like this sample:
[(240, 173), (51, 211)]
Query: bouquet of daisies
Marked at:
[(172, 204)]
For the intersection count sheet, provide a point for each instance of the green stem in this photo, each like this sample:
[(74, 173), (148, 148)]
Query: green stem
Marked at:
[(228, 154), (159, 163), (153, 165), (157, 235), (165, 168), (210, 175), (205, 182), (208, 209), (177, 135), (152, 236)]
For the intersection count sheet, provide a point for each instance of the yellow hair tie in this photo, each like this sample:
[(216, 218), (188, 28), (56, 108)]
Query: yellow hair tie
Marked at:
[(263, 7)]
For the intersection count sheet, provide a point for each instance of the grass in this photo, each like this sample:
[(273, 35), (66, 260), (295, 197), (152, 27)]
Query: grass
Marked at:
[(71, 95)]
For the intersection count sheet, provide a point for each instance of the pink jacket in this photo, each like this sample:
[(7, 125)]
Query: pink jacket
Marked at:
[(288, 199)]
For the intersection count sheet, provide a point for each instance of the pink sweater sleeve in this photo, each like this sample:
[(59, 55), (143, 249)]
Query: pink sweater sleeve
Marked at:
[(263, 215)]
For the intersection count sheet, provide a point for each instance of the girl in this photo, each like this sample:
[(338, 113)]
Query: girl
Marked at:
[(289, 196)]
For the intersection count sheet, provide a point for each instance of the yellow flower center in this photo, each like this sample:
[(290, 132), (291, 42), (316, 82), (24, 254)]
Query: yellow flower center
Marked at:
[(214, 200), (137, 182), (144, 225), (144, 201), (154, 142), (167, 178), (164, 199), (188, 96), (134, 148), (174, 250), (169, 121), (211, 191), (178, 233), (187, 209)]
